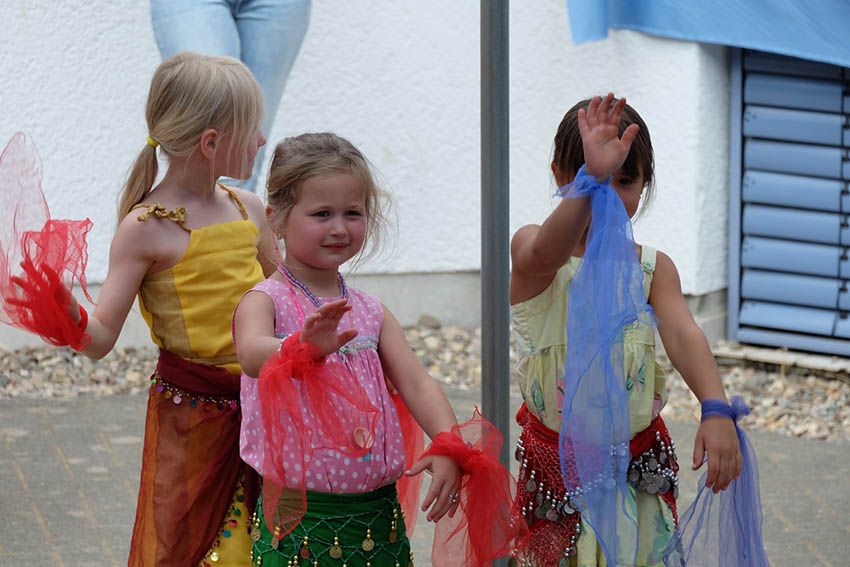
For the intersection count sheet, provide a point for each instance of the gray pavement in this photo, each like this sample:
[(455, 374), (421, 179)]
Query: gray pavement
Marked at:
[(69, 475)]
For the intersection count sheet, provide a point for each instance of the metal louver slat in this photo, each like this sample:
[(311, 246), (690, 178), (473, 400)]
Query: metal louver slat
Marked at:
[(802, 159), (795, 224), (788, 317), (842, 327), (790, 256), (790, 66), (792, 288), (793, 92), (794, 125), (795, 191)]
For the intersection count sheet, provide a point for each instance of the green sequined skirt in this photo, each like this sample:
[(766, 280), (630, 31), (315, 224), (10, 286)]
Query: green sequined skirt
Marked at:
[(338, 530)]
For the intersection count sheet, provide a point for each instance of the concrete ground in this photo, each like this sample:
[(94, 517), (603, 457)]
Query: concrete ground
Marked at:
[(69, 475)]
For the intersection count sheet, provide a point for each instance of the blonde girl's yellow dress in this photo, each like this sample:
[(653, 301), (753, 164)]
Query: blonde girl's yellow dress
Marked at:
[(539, 327), (195, 492)]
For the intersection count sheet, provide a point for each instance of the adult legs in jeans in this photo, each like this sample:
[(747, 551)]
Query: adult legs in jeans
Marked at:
[(265, 34)]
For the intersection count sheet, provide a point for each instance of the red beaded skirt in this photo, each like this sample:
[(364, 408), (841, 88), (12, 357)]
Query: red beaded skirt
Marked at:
[(551, 513)]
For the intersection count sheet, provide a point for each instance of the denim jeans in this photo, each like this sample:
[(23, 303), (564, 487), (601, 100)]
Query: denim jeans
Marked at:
[(264, 34)]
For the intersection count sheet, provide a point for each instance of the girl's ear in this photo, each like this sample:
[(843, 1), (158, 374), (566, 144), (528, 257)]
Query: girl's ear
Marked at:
[(209, 142)]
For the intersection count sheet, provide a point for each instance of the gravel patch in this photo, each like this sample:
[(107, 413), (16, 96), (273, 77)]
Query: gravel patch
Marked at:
[(795, 402)]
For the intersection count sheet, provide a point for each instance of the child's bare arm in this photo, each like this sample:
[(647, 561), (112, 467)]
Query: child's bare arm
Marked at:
[(683, 340), (538, 251), (253, 332), (689, 352), (429, 406), (422, 394), (130, 258)]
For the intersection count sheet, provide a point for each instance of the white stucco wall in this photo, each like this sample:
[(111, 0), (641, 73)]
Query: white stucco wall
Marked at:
[(401, 80)]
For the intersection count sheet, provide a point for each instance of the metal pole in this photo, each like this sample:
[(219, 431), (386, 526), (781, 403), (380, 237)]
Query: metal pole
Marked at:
[(495, 360), (495, 339)]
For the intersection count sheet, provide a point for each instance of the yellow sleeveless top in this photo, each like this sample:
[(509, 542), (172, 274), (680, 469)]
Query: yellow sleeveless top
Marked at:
[(189, 306)]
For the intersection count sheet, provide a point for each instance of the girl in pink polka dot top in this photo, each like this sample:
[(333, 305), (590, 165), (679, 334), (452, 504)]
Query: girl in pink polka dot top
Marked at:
[(324, 205)]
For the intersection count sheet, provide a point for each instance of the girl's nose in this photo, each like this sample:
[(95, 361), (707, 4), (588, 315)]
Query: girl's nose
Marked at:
[(337, 227)]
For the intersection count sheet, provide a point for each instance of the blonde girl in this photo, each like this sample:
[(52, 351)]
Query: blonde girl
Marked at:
[(187, 247)]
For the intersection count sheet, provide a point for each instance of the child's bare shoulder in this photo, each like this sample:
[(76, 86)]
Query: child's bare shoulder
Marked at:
[(665, 279), (523, 233), (252, 203), (249, 199), (152, 232), (664, 263), (522, 239)]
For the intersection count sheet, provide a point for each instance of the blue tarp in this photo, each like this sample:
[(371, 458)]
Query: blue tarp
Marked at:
[(818, 30)]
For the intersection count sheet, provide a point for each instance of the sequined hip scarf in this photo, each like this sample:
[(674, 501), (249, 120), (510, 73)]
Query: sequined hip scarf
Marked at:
[(551, 512), (338, 529)]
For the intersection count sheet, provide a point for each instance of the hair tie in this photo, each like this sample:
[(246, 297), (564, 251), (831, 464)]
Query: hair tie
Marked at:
[(152, 143)]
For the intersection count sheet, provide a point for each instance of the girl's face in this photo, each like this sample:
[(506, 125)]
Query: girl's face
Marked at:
[(327, 225)]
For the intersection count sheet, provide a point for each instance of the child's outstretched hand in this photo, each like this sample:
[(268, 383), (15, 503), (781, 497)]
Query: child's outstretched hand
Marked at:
[(320, 327), (604, 150), (717, 437), (445, 485)]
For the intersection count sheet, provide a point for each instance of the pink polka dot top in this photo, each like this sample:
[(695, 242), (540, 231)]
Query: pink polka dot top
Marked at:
[(329, 470)]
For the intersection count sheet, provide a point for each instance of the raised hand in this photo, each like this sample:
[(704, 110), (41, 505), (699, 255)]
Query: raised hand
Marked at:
[(604, 150), (320, 327)]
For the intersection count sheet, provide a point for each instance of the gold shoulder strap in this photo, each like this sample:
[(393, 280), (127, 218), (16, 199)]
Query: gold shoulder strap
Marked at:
[(233, 196)]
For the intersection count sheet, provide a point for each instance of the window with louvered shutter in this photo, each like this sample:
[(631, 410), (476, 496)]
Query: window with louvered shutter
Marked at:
[(789, 203)]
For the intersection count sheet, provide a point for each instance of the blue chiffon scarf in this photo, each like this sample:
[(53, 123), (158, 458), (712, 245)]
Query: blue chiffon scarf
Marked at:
[(723, 529), (606, 297)]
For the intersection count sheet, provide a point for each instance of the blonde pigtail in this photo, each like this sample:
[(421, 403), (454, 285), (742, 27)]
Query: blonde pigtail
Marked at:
[(139, 182)]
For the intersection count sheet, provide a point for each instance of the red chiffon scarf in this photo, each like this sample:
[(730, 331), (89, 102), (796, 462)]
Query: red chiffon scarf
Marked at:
[(40, 257), (307, 403), (414, 443), (484, 526)]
